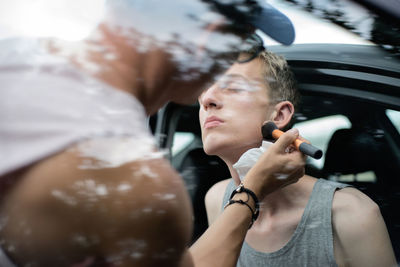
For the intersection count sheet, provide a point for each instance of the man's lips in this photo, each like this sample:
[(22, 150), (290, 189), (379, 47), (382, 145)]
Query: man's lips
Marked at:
[(211, 122)]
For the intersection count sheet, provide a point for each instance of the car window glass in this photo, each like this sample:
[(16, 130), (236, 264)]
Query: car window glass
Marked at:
[(319, 132), (394, 116), (181, 140)]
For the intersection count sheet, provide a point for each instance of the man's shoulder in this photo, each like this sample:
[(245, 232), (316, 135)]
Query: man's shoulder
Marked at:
[(350, 199), (359, 230), (213, 200), (214, 197), (351, 207), (217, 191)]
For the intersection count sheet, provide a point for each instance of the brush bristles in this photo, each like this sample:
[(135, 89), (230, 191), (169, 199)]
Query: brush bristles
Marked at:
[(267, 130)]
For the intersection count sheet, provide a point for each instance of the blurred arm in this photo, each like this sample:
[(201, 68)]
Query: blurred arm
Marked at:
[(59, 213)]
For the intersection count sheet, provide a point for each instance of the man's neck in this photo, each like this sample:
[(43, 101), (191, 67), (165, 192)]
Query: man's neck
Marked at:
[(292, 196)]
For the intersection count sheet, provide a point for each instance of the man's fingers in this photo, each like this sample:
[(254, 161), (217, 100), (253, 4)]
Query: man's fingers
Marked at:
[(286, 139), (303, 139)]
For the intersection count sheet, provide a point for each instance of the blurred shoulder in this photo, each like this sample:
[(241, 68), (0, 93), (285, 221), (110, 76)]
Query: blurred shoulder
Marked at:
[(78, 193)]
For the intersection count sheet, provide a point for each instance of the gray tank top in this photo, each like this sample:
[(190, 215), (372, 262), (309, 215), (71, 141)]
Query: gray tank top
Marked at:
[(312, 241)]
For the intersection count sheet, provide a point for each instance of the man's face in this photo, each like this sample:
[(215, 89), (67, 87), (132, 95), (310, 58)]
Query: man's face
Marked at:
[(233, 110), (195, 38)]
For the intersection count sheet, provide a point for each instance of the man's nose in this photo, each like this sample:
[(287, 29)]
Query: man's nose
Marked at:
[(211, 98)]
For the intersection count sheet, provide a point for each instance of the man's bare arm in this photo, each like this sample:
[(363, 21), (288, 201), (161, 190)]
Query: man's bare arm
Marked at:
[(360, 234)]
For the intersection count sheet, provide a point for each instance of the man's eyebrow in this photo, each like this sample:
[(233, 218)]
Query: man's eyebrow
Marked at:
[(236, 76), (240, 76)]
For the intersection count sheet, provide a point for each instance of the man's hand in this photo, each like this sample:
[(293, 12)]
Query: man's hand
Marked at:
[(279, 166)]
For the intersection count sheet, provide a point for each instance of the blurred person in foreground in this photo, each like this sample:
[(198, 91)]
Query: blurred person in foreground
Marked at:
[(313, 222), (82, 182)]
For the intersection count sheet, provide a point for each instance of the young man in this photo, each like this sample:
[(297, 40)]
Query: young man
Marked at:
[(81, 179), (308, 223)]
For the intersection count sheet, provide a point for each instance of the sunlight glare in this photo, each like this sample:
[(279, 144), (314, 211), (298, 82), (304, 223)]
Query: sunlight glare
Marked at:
[(64, 19)]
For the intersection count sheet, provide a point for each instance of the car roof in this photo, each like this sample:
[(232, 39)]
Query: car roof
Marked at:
[(363, 72)]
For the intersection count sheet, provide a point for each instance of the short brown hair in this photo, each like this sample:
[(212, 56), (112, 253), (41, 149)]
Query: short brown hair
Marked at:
[(280, 78)]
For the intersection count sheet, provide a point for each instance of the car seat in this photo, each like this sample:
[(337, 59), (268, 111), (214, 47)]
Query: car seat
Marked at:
[(350, 152), (199, 172)]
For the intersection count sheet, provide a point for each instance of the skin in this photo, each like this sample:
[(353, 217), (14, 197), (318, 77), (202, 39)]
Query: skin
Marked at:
[(354, 245), (137, 213)]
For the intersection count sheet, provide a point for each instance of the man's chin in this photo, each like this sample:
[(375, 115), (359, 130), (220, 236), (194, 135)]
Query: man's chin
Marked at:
[(212, 148)]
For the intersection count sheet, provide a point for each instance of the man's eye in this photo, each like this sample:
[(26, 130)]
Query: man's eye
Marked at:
[(230, 88), (235, 89), (237, 86)]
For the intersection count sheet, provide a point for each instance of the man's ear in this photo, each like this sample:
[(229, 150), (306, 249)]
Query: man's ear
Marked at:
[(283, 113)]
